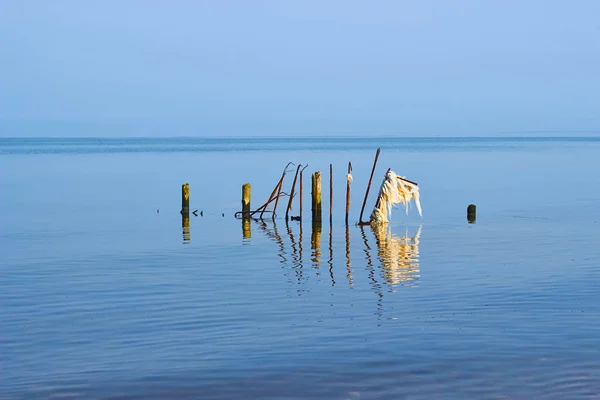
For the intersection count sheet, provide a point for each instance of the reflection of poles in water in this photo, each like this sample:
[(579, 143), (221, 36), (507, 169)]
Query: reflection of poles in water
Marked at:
[(348, 261), (246, 230), (330, 261), (399, 256), (376, 285), (274, 235), (300, 243), (185, 226), (315, 243), (296, 259)]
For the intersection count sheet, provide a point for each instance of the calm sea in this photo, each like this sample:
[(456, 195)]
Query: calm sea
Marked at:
[(106, 295)]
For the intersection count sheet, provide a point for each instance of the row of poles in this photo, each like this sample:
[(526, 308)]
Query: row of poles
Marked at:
[(316, 195), (316, 208)]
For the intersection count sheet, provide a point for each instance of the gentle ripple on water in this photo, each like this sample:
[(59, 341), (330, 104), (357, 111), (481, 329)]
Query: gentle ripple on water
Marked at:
[(115, 300)]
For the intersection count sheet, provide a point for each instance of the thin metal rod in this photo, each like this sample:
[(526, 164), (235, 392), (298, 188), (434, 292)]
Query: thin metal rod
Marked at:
[(348, 192), (362, 210), (277, 198), (277, 187), (289, 206), (301, 171), (379, 195), (406, 180)]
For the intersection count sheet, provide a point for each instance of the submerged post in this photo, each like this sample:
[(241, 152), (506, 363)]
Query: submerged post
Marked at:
[(471, 213), (246, 201), (348, 181), (185, 199), (316, 197)]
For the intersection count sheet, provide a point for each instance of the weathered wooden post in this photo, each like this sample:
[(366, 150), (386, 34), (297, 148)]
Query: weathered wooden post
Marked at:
[(316, 197), (246, 201), (471, 213), (348, 181), (185, 212), (185, 199)]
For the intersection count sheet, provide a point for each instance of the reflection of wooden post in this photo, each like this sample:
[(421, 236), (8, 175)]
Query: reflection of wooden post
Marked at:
[(471, 213), (185, 199), (330, 193), (348, 260), (246, 201), (315, 242), (316, 197), (185, 226), (246, 231), (330, 261)]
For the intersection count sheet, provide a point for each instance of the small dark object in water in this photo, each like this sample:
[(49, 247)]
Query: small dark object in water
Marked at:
[(222, 214), (195, 212), (297, 218), (202, 213), (471, 213), (157, 211)]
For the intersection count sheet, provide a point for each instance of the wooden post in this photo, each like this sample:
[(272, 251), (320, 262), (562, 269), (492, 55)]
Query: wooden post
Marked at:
[(348, 191), (185, 212), (185, 199), (246, 201), (330, 194), (360, 220), (471, 213), (316, 197)]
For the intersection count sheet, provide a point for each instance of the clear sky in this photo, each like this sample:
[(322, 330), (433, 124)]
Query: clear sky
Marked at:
[(292, 67)]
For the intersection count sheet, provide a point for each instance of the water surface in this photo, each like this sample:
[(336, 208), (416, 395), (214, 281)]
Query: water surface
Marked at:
[(105, 295)]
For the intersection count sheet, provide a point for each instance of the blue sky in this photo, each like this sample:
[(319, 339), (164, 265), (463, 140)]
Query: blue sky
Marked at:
[(294, 67)]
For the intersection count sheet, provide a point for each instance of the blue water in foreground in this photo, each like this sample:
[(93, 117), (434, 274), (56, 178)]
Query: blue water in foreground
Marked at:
[(104, 294)]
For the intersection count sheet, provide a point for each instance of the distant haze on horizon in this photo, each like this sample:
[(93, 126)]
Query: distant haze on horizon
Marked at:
[(277, 68)]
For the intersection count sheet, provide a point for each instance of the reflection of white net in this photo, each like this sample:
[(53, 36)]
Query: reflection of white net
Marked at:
[(394, 191), (399, 255)]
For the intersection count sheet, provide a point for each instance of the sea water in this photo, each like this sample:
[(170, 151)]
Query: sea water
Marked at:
[(108, 293)]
